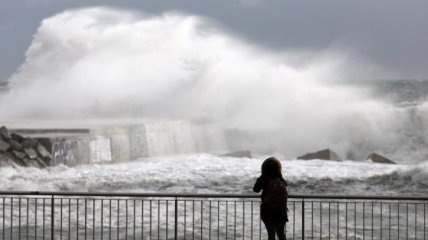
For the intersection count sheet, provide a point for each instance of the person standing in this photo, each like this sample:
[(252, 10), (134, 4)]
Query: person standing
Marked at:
[(273, 210)]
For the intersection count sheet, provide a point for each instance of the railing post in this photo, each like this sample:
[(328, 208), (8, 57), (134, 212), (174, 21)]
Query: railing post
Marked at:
[(52, 217), (303, 218), (175, 218)]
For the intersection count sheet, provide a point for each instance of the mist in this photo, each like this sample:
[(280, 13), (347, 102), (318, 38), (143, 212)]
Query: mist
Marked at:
[(105, 63)]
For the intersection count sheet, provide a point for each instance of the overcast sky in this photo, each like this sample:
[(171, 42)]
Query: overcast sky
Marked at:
[(391, 33)]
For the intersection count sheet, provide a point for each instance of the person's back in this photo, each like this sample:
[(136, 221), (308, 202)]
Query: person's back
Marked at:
[(273, 209)]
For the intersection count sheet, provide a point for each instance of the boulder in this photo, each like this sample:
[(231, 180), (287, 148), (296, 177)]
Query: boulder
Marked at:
[(15, 145), (377, 158), (30, 163), (18, 154), (4, 146), (325, 154), (238, 154), (17, 137), (4, 133), (31, 153), (29, 142), (43, 153)]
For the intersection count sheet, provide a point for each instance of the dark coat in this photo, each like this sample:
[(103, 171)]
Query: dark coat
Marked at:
[(277, 216)]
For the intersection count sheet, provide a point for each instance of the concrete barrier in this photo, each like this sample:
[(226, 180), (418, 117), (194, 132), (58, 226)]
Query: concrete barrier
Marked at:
[(107, 144)]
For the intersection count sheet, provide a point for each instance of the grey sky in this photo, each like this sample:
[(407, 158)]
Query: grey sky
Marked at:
[(390, 33)]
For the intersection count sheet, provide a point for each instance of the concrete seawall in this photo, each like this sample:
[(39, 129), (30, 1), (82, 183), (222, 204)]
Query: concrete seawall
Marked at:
[(108, 144)]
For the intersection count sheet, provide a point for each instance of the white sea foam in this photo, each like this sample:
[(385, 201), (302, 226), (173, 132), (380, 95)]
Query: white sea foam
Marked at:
[(210, 174), (105, 63)]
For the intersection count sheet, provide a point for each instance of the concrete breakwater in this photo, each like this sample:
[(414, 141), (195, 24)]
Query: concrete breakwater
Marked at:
[(108, 144)]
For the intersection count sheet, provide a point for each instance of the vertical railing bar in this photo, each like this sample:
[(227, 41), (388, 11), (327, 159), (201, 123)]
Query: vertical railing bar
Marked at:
[(35, 218), (320, 220), (407, 221), (93, 219), (150, 218), (381, 216), (303, 218), (209, 222), (19, 218), (109, 224), (3, 211), (134, 205), (346, 220), (28, 218), (102, 218), (202, 217), (126, 219), (398, 219), (69, 219), (372, 220), (389, 221), (312, 219), (158, 219), (243, 220), (11, 218), (52, 217), (185, 218), (329, 220), (364, 220), (251, 220), (218, 220), (142, 220), (86, 217), (294, 218), (60, 217), (118, 219), (193, 219), (227, 216), (337, 224), (424, 221), (43, 214), (77, 217), (260, 224), (355, 220), (166, 232), (416, 216), (234, 213)]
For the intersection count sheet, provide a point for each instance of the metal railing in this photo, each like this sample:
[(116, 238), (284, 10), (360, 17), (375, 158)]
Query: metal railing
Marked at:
[(79, 215)]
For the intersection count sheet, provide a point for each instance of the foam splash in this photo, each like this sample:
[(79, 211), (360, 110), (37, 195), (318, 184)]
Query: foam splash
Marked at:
[(210, 174), (104, 63)]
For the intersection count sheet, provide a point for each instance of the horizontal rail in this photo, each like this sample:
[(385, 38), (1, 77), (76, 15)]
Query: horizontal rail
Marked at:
[(203, 195)]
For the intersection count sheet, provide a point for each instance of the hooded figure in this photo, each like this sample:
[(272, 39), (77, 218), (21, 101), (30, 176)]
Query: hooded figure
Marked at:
[(273, 210)]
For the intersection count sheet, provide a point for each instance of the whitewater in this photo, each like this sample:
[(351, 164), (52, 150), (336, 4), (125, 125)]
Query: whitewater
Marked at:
[(114, 64), (204, 173)]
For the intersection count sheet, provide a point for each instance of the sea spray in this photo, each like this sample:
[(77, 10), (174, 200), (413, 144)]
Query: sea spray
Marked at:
[(104, 63)]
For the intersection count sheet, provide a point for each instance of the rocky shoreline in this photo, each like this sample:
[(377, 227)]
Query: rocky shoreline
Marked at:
[(22, 151)]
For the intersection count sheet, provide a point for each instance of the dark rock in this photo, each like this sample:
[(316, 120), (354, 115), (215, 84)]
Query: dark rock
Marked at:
[(17, 137), (325, 154), (31, 153), (15, 145), (29, 142), (30, 163), (4, 131), (18, 154), (41, 162), (238, 154), (377, 158), (4, 146), (44, 154)]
